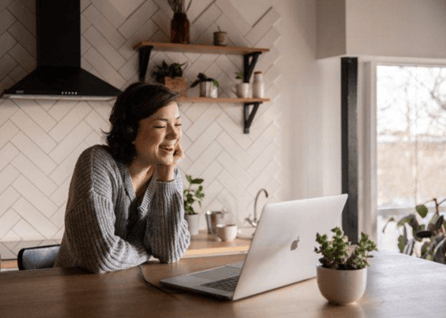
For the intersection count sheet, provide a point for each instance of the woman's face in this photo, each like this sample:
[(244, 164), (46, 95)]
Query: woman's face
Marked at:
[(158, 136)]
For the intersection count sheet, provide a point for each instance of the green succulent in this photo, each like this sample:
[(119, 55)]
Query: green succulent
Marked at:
[(340, 254), (193, 194)]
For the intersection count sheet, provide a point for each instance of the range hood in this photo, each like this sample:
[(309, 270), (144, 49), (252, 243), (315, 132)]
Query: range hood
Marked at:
[(58, 74)]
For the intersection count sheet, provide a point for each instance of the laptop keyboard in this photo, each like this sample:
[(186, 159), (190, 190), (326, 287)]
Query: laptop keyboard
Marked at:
[(227, 284)]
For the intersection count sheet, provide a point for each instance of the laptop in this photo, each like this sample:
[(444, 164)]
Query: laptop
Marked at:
[(281, 252)]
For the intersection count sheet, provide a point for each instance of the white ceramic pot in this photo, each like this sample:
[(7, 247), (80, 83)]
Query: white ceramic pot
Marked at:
[(207, 89), (242, 90), (193, 223), (341, 287)]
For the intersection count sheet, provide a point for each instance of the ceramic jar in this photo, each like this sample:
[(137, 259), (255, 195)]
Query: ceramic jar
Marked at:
[(258, 87)]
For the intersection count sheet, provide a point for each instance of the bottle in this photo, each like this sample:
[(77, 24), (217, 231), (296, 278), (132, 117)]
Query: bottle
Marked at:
[(258, 87)]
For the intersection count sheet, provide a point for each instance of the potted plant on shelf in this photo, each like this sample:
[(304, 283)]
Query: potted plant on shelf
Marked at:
[(428, 240), (171, 76), (242, 88), (208, 86), (193, 193), (342, 275)]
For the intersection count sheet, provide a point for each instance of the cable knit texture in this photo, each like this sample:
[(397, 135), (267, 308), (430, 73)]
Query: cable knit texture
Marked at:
[(106, 230)]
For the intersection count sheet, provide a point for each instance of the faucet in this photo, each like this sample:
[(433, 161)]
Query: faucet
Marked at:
[(255, 221)]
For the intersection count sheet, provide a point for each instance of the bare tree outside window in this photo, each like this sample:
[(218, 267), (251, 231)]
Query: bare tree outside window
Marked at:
[(411, 138)]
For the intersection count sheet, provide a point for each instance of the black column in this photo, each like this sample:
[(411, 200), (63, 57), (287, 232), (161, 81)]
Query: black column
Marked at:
[(349, 106)]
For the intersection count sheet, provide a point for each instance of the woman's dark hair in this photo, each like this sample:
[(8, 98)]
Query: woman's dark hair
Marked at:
[(137, 102)]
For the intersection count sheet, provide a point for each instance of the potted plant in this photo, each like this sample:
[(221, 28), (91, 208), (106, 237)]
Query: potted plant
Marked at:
[(171, 76), (342, 274), (242, 88), (193, 193), (208, 86), (428, 239)]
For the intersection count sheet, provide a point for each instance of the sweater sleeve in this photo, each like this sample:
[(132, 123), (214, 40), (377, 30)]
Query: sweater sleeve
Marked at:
[(90, 219), (167, 236)]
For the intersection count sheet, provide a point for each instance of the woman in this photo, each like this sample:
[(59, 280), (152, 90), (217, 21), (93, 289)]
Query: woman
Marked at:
[(125, 201)]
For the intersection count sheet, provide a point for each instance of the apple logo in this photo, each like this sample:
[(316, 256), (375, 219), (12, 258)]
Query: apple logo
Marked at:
[(295, 243)]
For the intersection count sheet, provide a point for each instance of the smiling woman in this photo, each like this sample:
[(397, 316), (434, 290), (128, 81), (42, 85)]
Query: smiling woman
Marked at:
[(125, 200)]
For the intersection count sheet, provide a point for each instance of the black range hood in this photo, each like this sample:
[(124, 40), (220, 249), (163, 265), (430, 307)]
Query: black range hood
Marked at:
[(58, 74)]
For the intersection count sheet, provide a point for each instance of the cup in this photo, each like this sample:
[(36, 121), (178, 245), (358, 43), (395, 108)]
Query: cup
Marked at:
[(242, 90), (227, 232), (220, 38), (214, 218)]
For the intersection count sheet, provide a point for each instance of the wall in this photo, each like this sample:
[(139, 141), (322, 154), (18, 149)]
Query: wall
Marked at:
[(40, 140), (407, 28), (382, 28)]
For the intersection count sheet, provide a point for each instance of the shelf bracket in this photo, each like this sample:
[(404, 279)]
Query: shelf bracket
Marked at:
[(144, 57), (248, 66), (248, 118)]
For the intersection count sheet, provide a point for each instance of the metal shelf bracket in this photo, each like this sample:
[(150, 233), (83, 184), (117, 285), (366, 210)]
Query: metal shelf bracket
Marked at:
[(249, 117), (248, 66), (144, 57)]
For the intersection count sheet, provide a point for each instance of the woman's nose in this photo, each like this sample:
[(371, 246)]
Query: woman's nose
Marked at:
[(173, 133)]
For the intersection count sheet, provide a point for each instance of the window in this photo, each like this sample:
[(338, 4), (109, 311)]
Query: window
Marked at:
[(410, 141)]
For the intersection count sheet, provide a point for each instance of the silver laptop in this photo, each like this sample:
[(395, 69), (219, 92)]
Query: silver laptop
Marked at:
[(281, 251)]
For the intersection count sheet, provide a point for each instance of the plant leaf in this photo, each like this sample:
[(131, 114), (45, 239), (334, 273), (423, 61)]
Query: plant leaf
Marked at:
[(422, 210)]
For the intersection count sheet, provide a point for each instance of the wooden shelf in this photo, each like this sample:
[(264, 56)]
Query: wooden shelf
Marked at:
[(200, 48), (222, 100)]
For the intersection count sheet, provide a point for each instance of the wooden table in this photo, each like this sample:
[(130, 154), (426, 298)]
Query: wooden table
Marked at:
[(398, 286), (205, 244)]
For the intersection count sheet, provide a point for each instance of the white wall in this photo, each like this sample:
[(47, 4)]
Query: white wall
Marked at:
[(403, 28), (382, 28)]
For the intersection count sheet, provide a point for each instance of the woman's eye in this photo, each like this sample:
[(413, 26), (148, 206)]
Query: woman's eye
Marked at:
[(160, 126), (178, 124)]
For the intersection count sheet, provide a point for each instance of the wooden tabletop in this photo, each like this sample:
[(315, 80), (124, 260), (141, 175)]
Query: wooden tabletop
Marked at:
[(398, 286)]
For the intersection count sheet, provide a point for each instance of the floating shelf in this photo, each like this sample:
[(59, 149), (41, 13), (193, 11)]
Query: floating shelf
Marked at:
[(222, 100), (199, 48), (250, 57)]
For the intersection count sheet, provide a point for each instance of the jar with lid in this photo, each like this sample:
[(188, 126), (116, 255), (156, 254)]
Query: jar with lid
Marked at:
[(258, 87)]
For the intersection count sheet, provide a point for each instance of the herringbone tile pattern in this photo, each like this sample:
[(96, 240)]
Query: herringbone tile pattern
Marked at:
[(41, 140)]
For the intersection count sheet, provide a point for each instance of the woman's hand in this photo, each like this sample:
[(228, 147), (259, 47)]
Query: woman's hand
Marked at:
[(167, 172)]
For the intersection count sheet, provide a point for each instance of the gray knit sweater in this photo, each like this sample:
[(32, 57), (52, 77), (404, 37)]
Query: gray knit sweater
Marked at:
[(106, 230)]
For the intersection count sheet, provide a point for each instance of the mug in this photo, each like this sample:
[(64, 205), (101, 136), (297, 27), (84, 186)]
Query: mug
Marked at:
[(227, 232), (242, 90)]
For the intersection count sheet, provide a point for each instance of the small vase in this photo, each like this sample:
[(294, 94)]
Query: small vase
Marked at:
[(258, 87), (193, 223), (179, 29)]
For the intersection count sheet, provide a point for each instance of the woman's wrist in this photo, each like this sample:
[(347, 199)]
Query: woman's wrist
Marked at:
[(166, 173)]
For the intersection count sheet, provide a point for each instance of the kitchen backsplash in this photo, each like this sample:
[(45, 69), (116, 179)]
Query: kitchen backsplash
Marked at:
[(40, 140)]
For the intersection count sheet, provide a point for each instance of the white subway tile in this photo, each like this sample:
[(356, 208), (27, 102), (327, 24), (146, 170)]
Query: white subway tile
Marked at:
[(7, 131), (37, 113), (109, 52), (109, 12), (33, 152), (7, 153), (7, 221), (138, 18), (33, 131), (34, 174), (71, 141), (70, 121), (24, 15), (7, 198), (33, 195)]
